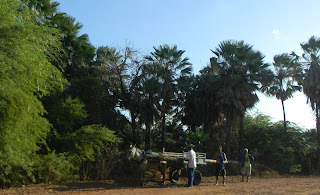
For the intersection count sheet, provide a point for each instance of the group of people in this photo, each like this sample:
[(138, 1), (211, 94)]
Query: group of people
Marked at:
[(245, 159)]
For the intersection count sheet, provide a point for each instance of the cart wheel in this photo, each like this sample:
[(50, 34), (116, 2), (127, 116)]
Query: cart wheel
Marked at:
[(197, 177), (174, 176)]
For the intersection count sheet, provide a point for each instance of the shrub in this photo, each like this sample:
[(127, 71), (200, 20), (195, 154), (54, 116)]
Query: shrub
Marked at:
[(55, 168)]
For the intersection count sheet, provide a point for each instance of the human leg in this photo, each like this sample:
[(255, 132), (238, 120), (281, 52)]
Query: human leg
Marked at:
[(217, 173), (224, 172), (243, 173), (190, 176), (248, 172)]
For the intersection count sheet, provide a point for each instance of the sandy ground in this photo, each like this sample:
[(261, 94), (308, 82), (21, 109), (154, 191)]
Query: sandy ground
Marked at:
[(289, 185)]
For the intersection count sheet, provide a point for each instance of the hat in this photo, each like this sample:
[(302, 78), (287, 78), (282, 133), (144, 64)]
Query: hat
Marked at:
[(190, 146), (245, 150)]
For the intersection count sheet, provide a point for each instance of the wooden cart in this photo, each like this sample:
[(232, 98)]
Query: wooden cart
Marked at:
[(178, 168)]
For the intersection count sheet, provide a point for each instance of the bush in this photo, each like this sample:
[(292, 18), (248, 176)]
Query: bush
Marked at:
[(94, 151), (55, 168)]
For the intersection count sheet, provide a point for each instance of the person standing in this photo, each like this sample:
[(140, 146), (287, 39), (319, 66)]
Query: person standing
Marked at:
[(192, 164), (220, 158), (246, 160)]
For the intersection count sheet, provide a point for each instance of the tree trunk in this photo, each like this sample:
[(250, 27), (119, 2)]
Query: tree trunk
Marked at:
[(284, 117), (163, 130), (241, 132), (193, 128), (147, 136), (318, 139), (149, 121), (229, 135), (318, 124), (133, 128)]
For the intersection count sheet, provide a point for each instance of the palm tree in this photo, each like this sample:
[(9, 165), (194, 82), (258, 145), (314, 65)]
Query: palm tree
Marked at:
[(200, 107), (311, 82), (240, 72), (77, 51), (284, 84), (148, 111), (46, 10), (94, 87), (169, 66)]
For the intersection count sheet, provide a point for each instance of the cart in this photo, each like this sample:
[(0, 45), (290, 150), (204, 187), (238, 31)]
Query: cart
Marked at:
[(178, 168)]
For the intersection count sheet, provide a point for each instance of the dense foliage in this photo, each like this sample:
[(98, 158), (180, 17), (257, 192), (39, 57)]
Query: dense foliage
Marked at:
[(68, 110)]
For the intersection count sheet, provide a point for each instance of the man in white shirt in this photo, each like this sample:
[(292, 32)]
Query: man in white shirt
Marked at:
[(192, 164)]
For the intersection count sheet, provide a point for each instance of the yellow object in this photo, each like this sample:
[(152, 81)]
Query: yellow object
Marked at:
[(247, 161)]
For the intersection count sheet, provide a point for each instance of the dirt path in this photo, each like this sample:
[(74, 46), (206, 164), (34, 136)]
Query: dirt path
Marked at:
[(307, 185)]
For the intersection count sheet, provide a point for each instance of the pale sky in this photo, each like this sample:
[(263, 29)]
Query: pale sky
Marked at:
[(271, 26)]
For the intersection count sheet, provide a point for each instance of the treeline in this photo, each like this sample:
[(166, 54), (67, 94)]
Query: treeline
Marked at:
[(69, 110)]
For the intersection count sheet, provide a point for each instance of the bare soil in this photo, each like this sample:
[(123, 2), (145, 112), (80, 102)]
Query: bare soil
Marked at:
[(287, 185)]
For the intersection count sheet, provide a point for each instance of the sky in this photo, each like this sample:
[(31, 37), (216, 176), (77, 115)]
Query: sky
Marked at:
[(273, 27)]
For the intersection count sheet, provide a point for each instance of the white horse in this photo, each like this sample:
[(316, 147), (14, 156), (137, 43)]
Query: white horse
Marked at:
[(139, 155)]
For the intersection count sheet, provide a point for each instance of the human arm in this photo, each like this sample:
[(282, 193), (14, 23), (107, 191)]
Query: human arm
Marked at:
[(251, 159), (225, 157), (189, 156)]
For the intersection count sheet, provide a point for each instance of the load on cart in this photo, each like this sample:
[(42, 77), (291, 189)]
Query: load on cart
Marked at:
[(174, 161)]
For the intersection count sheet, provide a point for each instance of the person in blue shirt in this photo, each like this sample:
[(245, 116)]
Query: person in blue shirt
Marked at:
[(220, 158), (246, 161)]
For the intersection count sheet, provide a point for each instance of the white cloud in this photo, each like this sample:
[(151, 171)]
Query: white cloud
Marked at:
[(276, 33)]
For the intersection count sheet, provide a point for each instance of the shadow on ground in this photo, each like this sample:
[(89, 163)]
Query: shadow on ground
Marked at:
[(110, 184)]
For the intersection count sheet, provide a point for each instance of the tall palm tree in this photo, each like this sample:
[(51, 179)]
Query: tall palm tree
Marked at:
[(46, 10), (241, 72), (169, 65), (95, 86), (286, 78), (148, 111), (77, 51), (199, 106), (311, 82)]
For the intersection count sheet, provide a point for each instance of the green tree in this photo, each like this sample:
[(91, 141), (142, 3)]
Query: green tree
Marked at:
[(26, 74), (200, 106), (92, 85), (148, 86), (284, 152), (169, 66), (89, 147), (311, 82), (241, 72), (75, 57), (121, 70), (65, 114), (46, 11), (77, 53), (285, 82)]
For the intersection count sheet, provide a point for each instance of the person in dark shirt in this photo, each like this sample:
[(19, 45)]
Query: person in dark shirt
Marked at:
[(220, 158)]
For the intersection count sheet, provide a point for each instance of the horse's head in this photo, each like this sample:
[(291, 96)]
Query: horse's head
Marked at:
[(135, 154), (131, 152)]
